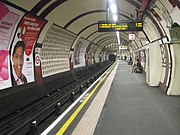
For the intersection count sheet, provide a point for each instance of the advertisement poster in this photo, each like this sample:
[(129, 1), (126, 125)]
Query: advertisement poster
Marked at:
[(98, 55), (55, 51), (175, 3), (9, 19), (143, 58), (22, 50), (142, 8), (79, 53), (91, 54), (104, 56)]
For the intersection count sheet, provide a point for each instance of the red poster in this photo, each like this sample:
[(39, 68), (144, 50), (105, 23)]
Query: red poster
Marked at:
[(175, 3), (23, 45), (31, 27), (142, 8)]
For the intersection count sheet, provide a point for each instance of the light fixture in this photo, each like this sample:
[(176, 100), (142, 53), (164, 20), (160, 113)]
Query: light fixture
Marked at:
[(118, 37), (113, 8), (115, 18)]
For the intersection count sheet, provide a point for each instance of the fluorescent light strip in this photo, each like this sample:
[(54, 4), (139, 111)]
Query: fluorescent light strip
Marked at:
[(113, 8), (115, 18), (118, 37)]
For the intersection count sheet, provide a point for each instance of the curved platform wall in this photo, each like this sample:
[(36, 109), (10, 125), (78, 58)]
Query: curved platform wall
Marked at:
[(155, 64), (174, 88)]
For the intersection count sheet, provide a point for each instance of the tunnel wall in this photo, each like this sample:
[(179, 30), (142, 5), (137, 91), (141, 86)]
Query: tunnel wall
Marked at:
[(168, 13), (44, 82), (174, 88)]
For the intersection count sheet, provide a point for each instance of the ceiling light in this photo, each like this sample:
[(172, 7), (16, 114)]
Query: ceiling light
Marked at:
[(115, 18), (118, 37), (113, 8)]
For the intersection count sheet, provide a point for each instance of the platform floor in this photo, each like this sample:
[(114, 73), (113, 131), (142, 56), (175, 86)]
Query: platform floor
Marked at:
[(126, 105), (134, 108)]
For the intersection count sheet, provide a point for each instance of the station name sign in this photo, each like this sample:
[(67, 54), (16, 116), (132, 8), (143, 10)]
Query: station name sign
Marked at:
[(107, 26)]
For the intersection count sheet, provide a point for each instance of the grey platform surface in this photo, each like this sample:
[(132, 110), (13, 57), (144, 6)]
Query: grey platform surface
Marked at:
[(134, 108)]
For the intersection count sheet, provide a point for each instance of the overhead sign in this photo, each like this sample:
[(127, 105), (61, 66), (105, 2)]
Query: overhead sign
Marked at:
[(107, 26)]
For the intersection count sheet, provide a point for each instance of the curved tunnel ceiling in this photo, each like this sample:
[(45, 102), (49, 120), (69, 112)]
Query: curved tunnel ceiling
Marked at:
[(79, 16), (106, 38), (113, 39)]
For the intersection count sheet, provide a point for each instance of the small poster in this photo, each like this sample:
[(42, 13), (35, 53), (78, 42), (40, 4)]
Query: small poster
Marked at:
[(91, 54), (79, 53)]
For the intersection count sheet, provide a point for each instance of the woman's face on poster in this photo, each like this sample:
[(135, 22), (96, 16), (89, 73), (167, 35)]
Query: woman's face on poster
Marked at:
[(18, 61)]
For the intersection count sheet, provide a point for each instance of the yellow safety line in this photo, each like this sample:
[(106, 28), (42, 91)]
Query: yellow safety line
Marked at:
[(73, 116)]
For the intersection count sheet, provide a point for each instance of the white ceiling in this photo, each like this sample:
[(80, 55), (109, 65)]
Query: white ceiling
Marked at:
[(78, 15)]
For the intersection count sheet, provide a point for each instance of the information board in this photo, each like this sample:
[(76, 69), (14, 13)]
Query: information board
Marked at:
[(107, 26)]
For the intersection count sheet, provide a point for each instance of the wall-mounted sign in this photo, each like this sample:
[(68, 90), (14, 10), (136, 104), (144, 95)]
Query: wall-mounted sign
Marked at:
[(132, 36), (107, 26)]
